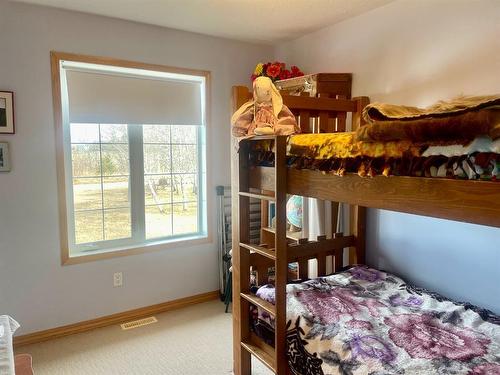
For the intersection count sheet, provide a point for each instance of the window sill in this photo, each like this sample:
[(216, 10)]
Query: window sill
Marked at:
[(90, 256)]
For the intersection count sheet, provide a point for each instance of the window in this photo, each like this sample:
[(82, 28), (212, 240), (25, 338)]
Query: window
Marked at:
[(133, 145)]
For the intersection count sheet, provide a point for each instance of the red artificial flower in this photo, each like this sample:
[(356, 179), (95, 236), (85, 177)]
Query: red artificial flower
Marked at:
[(273, 71), (285, 74), (276, 70), (296, 72)]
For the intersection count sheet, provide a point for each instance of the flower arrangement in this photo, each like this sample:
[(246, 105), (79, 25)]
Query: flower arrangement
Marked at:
[(276, 71)]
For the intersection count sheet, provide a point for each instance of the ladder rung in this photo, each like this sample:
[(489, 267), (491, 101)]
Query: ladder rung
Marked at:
[(260, 354), (259, 302), (268, 253), (257, 196)]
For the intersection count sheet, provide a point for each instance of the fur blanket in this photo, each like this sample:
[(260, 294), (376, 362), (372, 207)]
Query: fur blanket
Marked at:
[(460, 119)]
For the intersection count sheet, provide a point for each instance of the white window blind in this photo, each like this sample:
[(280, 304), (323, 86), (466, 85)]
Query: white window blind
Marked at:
[(97, 97)]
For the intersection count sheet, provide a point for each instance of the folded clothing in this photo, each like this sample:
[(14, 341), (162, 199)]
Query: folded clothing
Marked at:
[(460, 119)]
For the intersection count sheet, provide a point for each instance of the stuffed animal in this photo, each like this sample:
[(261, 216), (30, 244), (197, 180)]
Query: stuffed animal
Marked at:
[(265, 114)]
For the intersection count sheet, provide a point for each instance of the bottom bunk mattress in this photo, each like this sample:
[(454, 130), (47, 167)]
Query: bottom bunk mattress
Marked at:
[(364, 321)]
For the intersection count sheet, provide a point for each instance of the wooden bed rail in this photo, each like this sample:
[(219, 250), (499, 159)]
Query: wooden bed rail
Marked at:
[(328, 253), (475, 202)]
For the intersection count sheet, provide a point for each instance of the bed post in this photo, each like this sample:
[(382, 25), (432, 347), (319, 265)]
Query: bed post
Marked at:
[(241, 358), (281, 265), (358, 213), (357, 117), (358, 230)]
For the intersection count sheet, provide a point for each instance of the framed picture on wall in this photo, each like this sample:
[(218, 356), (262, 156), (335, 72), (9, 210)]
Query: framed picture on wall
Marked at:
[(4, 157), (6, 112)]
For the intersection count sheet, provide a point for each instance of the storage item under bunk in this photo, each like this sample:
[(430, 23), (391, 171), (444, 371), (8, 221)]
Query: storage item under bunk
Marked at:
[(224, 233), (372, 322), (223, 236)]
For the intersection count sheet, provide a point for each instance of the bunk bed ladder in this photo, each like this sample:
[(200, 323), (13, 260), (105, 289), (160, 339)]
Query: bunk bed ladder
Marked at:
[(274, 358)]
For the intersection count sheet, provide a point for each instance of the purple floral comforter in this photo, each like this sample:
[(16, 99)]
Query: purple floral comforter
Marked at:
[(364, 321)]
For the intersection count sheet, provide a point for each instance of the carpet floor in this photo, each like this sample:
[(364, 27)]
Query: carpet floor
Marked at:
[(196, 340)]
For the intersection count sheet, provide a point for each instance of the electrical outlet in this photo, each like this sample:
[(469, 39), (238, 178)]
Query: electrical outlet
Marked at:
[(117, 279)]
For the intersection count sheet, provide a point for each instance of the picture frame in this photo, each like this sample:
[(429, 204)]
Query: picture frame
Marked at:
[(7, 112), (4, 157)]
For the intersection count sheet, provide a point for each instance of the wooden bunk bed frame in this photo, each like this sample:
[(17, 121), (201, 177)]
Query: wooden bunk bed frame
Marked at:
[(468, 201)]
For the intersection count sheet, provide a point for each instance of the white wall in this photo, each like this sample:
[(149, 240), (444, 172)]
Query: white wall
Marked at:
[(411, 52), (415, 52), (34, 287)]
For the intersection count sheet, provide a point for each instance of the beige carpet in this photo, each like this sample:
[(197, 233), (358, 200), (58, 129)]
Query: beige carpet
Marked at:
[(192, 341)]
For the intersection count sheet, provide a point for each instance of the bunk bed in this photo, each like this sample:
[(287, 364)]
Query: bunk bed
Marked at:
[(287, 351)]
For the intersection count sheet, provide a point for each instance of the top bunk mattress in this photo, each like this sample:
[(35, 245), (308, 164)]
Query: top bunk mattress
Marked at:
[(341, 153), (458, 138), (364, 321)]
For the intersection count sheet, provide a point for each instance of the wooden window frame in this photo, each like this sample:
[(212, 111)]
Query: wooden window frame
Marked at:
[(66, 257)]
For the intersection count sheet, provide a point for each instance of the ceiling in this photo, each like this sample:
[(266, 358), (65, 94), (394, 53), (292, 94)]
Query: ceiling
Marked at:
[(261, 21)]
